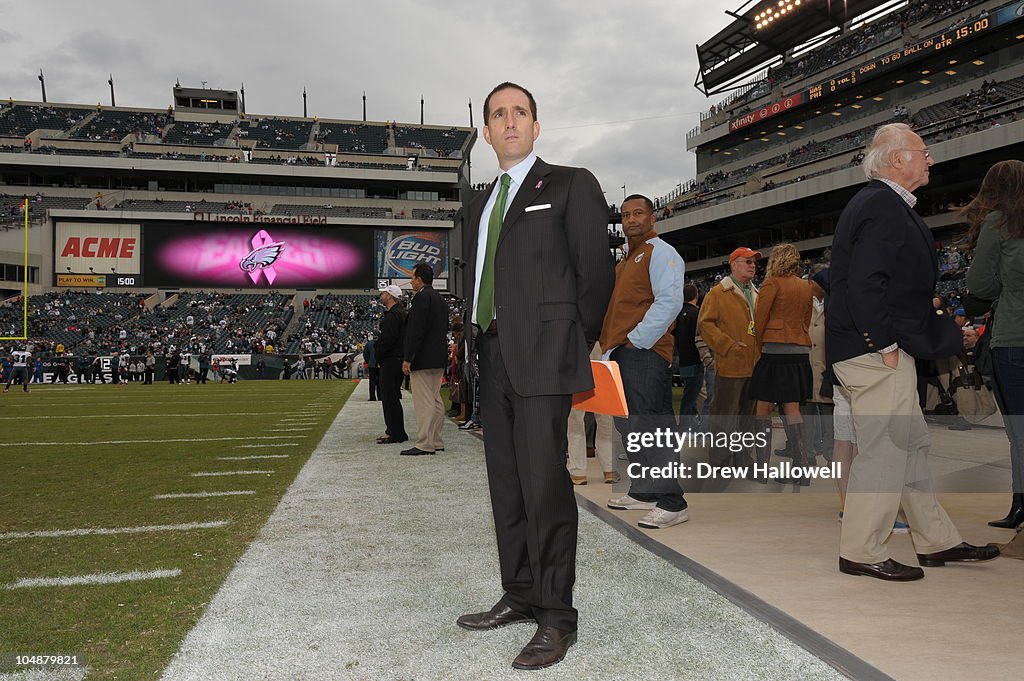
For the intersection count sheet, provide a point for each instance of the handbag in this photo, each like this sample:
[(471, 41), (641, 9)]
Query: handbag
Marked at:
[(974, 399)]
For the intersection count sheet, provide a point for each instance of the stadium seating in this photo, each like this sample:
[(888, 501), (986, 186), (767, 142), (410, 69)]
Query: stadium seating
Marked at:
[(179, 156), (276, 133), (20, 120), (173, 206), (197, 133), (115, 125), (442, 142), (432, 214), (331, 211), (10, 206), (355, 137)]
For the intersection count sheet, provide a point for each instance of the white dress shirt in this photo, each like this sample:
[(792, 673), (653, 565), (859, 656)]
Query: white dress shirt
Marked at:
[(518, 174)]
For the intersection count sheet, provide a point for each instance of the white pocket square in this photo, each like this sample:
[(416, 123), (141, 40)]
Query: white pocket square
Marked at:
[(541, 206)]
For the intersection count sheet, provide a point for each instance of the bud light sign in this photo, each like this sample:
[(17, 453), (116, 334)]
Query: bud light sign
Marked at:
[(398, 252)]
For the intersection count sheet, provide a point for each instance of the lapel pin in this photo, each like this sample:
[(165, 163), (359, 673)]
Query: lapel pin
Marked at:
[(539, 183)]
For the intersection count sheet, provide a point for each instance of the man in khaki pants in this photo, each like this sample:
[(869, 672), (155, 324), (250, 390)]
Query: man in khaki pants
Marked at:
[(879, 319), (426, 355)]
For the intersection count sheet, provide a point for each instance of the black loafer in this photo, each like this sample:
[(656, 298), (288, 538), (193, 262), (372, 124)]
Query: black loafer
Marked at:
[(547, 647), (964, 553), (497, 617), (888, 570)]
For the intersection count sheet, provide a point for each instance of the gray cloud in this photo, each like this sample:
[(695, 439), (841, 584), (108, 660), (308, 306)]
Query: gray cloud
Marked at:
[(589, 64)]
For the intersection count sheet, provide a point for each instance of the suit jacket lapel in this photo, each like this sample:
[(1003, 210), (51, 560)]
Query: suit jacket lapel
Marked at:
[(922, 228), (473, 215), (532, 187)]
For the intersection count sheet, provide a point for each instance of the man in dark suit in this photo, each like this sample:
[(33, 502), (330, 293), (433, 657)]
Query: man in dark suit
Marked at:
[(372, 369), (691, 370), (539, 278), (426, 355), (879, 320), (389, 355)]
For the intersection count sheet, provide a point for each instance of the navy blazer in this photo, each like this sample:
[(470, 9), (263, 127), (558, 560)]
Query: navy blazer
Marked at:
[(884, 269), (553, 277), (426, 331)]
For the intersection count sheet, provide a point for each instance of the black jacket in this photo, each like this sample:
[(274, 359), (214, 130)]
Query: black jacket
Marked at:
[(883, 275), (553, 277), (426, 331), (686, 335), (392, 333)]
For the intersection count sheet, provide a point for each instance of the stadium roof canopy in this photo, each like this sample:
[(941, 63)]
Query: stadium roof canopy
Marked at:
[(742, 47)]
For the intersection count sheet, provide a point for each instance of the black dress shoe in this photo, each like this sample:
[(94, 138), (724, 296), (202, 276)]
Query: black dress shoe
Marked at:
[(888, 570), (547, 647), (390, 441), (964, 553), (497, 617), (414, 451)]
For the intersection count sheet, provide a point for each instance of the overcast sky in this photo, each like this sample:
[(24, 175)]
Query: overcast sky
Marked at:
[(613, 79)]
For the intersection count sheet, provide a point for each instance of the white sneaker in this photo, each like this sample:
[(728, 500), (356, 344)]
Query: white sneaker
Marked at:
[(659, 518), (628, 503)]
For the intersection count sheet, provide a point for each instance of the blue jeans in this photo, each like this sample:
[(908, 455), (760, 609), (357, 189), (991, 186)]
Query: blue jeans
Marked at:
[(1009, 379), (693, 378), (647, 383), (709, 380)]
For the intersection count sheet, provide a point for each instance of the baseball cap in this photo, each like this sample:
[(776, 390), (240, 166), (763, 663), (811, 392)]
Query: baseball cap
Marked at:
[(744, 252), (959, 312), (395, 292)]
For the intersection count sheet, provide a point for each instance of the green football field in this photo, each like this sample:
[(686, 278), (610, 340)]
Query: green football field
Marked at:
[(100, 485)]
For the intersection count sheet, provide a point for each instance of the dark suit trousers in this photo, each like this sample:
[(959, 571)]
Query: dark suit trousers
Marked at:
[(373, 374), (535, 515), (391, 378)]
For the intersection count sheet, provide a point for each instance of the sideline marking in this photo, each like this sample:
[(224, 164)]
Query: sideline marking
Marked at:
[(87, 531), (269, 444), (99, 578), (203, 495), (255, 456), (130, 442), (213, 474), (127, 416)]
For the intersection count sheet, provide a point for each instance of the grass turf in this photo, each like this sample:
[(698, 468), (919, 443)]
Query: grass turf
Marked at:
[(130, 630)]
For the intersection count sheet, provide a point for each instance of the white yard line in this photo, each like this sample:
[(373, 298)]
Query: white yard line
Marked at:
[(214, 474), (87, 531), (255, 456), (98, 578), (130, 442), (204, 495), (126, 416), (269, 444)]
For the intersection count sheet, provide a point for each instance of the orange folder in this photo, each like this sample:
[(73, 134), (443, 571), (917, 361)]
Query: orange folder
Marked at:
[(607, 397)]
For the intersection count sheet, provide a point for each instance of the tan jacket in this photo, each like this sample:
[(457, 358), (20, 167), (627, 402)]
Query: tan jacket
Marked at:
[(818, 363), (783, 311), (724, 320)]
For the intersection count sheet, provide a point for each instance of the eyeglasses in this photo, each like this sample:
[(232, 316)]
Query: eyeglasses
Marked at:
[(927, 154)]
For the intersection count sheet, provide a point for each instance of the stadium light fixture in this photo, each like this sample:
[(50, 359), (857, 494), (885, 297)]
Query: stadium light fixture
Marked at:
[(925, 72), (1020, 36), (952, 61), (780, 133), (798, 127), (855, 106), (900, 81), (978, 62), (951, 72), (925, 81), (837, 113), (877, 98)]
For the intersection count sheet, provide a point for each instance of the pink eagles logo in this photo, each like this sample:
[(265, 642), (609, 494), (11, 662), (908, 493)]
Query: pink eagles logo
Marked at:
[(260, 260)]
